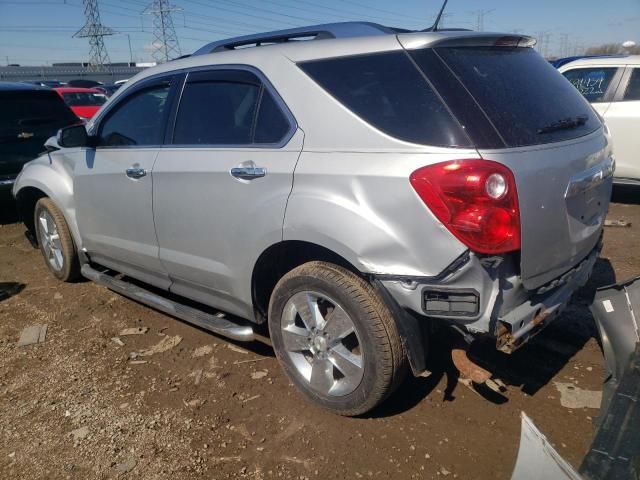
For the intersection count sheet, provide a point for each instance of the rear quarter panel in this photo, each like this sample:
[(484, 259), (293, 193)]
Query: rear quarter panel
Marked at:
[(362, 206)]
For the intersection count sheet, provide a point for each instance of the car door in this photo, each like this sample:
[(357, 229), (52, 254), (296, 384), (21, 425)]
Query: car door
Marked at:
[(220, 190), (623, 120), (596, 83), (113, 186)]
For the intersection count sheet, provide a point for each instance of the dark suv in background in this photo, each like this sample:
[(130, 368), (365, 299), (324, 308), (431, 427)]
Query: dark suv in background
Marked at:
[(29, 115)]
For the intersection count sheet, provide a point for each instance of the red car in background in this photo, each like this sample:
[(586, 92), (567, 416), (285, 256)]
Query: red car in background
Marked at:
[(84, 102)]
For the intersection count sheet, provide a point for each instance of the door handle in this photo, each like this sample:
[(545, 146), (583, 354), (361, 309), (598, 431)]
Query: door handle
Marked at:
[(136, 172), (248, 173)]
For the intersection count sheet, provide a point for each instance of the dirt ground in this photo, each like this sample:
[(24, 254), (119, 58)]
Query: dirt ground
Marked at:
[(77, 407)]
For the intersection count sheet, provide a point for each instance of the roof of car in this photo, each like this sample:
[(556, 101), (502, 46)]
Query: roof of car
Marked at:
[(609, 60), (13, 86), (76, 90)]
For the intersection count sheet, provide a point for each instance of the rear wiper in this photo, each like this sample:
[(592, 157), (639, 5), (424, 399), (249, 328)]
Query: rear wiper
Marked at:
[(564, 124)]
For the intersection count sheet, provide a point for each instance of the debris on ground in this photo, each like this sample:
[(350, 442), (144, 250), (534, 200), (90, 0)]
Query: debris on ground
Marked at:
[(574, 397), (167, 343), (260, 374), (617, 223), (231, 346), (202, 351), (133, 331), (126, 466), (117, 341), (79, 433), (33, 334), (239, 362), (197, 376), (57, 296)]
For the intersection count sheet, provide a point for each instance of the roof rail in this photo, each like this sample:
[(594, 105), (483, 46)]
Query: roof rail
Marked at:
[(313, 32)]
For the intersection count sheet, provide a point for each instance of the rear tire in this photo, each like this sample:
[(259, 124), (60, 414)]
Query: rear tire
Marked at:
[(335, 338), (55, 241)]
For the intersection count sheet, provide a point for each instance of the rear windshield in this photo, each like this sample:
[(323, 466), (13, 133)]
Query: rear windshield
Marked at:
[(522, 95), (33, 109), (84, 99), (387, 91)]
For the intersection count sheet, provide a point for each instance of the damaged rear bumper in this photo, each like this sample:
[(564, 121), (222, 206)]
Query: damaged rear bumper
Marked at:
[(486, 296)]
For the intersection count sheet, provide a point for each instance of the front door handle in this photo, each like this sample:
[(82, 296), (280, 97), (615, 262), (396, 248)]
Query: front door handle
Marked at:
[(136, 172), (248, 172)]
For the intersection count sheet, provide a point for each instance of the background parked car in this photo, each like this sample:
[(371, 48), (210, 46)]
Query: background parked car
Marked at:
[(108, 90), (84, 102), (29, 115), (47, 83), (612, 86)]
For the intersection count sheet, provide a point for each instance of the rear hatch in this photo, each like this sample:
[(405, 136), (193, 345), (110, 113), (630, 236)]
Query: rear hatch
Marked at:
[(27, 119), (519, 111)]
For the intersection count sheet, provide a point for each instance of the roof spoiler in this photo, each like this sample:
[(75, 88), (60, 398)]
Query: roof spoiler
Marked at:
[(464, 39)]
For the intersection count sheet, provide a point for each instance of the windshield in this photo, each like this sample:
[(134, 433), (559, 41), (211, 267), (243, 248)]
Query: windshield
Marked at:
[(84, 99), (522, 95)]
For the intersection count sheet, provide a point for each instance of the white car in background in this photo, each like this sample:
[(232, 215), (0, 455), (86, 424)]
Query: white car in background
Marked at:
[(612, 86)]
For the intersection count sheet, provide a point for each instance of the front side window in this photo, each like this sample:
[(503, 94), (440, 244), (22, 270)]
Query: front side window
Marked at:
[(592, 83), (138, 120), (633, 88)]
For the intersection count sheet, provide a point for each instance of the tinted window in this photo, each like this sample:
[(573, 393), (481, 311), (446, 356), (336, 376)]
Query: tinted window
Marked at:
[(138, 119), (272, 125), (84, 99), (387, 91), (525, 98), (34, 110), (216, 113), (591, 82), (633, 88)]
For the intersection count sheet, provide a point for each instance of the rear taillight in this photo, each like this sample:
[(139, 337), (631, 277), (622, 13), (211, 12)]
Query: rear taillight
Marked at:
[(475, 199)]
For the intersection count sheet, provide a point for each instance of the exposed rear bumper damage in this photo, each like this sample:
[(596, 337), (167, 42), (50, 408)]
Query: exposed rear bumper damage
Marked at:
[(486, 296)]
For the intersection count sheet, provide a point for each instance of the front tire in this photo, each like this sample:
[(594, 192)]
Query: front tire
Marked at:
[(335, 338), (55, 241)]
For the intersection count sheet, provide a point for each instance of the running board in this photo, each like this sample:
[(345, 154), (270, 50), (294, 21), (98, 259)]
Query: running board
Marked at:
[(213, 323)]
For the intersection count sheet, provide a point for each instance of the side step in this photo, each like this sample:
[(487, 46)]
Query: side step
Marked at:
[(215, 324)]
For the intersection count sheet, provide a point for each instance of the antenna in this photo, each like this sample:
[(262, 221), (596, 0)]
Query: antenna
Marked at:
[(165, 41), (94, 31), (434, 28)]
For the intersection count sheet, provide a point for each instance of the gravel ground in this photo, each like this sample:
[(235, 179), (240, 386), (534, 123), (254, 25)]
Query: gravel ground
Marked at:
[(76, 406)]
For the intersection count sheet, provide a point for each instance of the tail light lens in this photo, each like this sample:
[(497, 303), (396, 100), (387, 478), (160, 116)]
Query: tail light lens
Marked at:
[(475, 199)]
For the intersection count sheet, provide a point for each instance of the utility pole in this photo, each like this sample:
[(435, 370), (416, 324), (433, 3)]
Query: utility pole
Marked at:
[(165, 41), (564, 44), (480, 14), (543, 43), (95, 32)]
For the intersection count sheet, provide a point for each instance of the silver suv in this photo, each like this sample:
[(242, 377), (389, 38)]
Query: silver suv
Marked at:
[(346, 191)]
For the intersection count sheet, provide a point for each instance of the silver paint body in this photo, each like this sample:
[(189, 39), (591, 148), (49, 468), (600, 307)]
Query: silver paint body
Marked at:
[(190, 227)]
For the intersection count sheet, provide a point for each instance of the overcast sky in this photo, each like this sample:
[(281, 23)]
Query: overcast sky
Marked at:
[(39, 32)]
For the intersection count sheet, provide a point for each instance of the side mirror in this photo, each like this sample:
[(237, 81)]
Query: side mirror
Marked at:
[(51, 145), (73, 136)]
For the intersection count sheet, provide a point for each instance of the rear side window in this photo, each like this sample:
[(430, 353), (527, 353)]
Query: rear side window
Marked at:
[(388, 92), (593, 83), (633, 88), (272, 125), (138, 119), (523, 96), (33, 110)]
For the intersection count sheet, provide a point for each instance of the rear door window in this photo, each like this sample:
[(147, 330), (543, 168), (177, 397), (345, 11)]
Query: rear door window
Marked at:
[(633, 87), (593, 83), (228, 108), (522, 95), (388, 92)]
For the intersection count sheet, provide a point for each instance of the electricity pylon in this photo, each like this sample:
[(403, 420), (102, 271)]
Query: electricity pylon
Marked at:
[(165, 41), (95, 32)]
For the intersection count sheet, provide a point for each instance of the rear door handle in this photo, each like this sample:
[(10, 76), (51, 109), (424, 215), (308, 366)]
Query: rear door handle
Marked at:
[(136, 172), (248, 173)]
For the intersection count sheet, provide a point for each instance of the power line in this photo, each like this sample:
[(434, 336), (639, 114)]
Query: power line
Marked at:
[(95, 32), (165, 43)]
